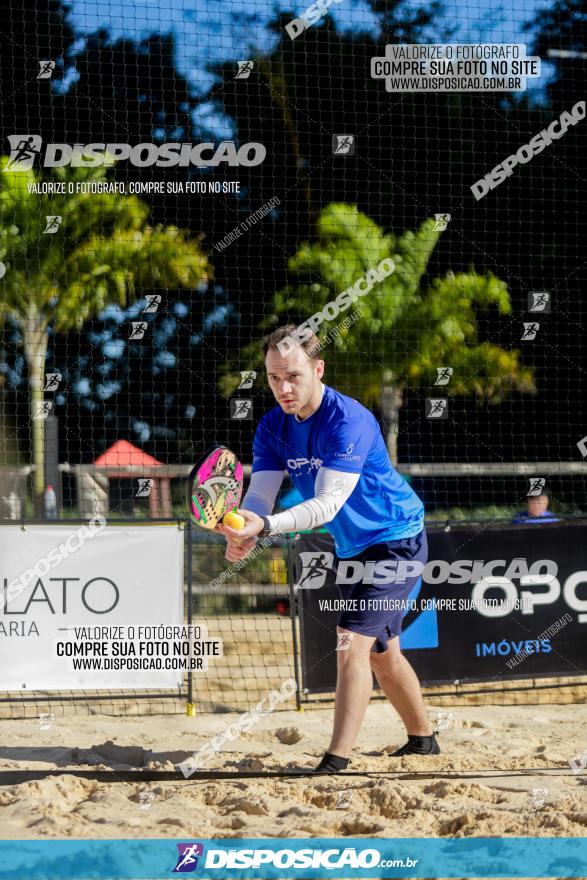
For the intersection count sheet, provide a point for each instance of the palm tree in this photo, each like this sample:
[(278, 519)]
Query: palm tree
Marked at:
[(103, 252), (407, 328)]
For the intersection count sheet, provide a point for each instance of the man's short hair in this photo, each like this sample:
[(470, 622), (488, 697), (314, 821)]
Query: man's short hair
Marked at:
[(543, 493), (311, 346)]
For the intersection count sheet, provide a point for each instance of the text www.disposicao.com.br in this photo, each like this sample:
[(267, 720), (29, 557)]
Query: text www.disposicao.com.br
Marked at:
[(98, 664)]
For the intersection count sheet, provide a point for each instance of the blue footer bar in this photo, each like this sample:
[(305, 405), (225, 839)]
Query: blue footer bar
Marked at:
[(287, 859)]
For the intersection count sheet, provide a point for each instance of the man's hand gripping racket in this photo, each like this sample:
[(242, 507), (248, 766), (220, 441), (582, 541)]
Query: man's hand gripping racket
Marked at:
[(214, 491)]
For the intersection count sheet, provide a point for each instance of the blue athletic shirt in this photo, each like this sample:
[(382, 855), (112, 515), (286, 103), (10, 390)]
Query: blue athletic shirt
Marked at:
[(342, 434)]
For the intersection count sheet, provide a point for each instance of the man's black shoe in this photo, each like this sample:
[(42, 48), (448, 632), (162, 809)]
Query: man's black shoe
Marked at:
[(331, 764), (418, 745)]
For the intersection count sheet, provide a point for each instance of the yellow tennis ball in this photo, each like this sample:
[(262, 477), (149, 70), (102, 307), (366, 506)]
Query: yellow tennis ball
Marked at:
[(233, 520)]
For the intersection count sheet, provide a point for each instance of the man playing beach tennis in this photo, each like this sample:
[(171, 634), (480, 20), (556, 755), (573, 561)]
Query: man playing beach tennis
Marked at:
[(335, 454)]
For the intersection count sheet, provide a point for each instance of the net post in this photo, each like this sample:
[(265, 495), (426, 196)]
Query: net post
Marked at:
[(293, 609), (190, 708)]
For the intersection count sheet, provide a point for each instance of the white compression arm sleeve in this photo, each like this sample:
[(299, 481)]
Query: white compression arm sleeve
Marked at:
[(332, 489), (262, 492)]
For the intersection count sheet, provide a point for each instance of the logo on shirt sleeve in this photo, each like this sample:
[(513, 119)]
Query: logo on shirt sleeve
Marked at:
[(347, 454)]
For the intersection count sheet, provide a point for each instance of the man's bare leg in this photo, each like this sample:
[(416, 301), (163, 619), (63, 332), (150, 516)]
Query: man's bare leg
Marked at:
[(354, 683), (400, 684)]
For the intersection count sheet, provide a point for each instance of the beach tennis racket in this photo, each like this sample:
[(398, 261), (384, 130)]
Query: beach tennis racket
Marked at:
[(215, 488)]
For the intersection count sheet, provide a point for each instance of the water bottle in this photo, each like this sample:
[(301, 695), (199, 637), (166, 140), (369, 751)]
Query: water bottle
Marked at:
[(50, 503)]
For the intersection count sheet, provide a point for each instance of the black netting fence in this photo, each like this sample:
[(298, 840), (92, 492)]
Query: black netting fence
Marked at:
[(177, 182)]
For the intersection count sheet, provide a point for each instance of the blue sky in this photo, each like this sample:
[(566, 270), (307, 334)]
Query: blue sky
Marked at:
[(212, 31)]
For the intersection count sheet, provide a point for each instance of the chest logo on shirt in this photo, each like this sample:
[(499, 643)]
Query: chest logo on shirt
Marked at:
[(295, 464)]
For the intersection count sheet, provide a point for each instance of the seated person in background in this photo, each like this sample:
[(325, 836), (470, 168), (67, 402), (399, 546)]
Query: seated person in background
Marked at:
[(537, 512)]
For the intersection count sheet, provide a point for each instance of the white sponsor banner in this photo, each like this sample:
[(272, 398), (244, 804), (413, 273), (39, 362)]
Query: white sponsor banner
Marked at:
[(115, 576)]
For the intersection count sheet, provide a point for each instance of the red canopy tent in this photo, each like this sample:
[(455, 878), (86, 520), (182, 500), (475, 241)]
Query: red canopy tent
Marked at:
[(123, 460)]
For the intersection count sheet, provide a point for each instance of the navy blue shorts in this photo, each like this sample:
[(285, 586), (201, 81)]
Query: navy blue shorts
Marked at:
[(380, 607)]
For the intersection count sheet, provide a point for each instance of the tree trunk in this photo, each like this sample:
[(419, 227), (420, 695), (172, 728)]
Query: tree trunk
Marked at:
[(392, 399), (35, 344)]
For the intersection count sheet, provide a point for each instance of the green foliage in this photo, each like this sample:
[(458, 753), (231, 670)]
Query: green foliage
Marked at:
[(409, 324), (104, 251)]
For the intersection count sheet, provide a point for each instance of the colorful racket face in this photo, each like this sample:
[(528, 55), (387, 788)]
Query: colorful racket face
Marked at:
[(215, 487)]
